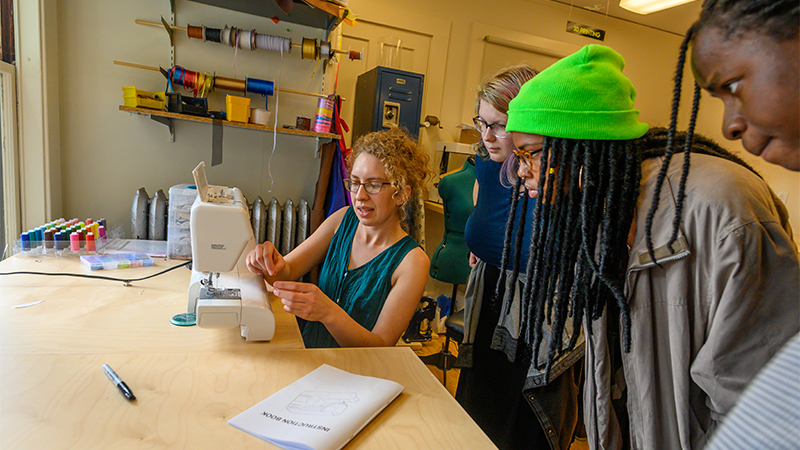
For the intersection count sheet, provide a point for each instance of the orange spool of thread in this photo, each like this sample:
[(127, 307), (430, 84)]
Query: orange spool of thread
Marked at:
[(194, 32)]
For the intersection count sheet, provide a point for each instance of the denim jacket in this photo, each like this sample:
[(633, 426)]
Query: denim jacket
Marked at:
[(546, 404)]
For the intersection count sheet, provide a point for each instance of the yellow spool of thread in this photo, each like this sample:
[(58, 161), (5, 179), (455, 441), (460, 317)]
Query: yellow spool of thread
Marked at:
[(309, 49)]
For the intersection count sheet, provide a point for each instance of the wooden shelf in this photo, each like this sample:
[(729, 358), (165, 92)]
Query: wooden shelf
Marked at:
[(169, 115)]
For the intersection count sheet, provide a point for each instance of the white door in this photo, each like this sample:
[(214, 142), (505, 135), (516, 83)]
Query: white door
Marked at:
[(423, 50)]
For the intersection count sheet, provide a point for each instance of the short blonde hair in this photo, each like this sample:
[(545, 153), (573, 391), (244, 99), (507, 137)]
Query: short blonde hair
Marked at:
[(405, 163)]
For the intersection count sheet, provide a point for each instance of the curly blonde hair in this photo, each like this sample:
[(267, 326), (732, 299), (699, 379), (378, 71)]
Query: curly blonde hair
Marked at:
[(405, 163)]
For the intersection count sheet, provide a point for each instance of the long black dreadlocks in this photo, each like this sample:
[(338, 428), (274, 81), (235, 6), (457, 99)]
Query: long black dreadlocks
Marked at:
[(578, 251)]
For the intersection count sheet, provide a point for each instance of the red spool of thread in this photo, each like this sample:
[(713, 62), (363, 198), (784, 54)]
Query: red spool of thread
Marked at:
[(90, 247)]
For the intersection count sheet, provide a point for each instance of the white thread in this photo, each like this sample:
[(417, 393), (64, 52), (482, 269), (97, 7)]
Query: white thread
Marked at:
[(275, 43), (244, 39), (226, 35), (275, 126)]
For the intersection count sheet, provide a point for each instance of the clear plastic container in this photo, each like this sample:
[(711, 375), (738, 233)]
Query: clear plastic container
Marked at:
[(179, 237), (116, 261)]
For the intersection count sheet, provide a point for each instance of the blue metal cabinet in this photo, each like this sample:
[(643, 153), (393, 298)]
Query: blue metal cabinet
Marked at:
[(387, 97)]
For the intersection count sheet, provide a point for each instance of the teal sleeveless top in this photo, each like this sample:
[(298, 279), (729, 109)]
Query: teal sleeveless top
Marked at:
[(361, 291)]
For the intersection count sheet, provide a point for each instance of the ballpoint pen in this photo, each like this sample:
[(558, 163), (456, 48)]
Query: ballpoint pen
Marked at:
[(126, 391)]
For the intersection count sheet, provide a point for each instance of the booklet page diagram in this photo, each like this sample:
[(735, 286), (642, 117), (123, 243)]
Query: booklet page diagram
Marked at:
[(321, 411)]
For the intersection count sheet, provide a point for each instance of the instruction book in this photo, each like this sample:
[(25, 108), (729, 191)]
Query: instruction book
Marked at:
[(321, 411)]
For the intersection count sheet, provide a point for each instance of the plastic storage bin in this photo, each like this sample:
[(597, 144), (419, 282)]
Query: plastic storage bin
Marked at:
[(237, 108), (179, 236), (136, 98)]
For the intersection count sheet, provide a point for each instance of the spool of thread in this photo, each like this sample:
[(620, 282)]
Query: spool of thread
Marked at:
[(309, 49), (194, 32), (75, 241), (48, 238), (213, 35), (245, 39), (225, 36), (259, 116), (101, 233), (25, 241), (90, 246), (256, 86), (303, 123), (230, 84), (354, 55), (325, 50), (324, 116), (275, 43), (234, 37), (61, 240)]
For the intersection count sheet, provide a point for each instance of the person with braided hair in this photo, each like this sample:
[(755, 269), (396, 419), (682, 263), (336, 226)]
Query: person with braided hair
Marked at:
[(746, 53), (512, 401), (682, 304)]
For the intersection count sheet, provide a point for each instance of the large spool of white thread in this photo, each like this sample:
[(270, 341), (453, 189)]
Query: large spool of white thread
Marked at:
[(259, 116)]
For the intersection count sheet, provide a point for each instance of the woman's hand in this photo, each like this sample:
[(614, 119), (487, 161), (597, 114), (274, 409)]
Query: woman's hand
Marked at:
[(265, 260), (472, 260), (305, 300)]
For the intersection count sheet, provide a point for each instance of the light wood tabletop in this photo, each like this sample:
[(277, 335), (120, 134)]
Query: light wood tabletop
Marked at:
[(111, 317), (188, 381)]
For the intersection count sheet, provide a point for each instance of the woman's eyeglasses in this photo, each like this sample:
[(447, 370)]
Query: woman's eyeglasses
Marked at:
[(372, 187), (498, 130), (530, 159)]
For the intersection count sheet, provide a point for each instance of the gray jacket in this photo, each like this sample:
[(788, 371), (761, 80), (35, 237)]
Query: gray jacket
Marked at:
[(707, 319)]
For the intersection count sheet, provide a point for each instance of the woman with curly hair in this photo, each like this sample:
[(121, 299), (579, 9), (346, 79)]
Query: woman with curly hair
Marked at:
[(373, 272)]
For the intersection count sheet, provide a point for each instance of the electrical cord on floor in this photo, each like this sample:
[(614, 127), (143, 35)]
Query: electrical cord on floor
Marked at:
[(126, 282)]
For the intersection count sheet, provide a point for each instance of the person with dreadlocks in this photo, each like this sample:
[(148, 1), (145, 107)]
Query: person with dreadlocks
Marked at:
[(746, 54), (681, 304), (516, 407)]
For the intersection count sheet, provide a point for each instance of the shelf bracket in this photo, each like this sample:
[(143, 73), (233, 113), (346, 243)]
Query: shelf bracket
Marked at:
[(169, 122)]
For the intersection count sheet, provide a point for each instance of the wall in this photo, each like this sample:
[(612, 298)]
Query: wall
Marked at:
[(650, 56), (107, 154)]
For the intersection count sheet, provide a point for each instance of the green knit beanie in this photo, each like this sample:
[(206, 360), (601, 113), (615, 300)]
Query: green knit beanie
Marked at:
[(582, 96)]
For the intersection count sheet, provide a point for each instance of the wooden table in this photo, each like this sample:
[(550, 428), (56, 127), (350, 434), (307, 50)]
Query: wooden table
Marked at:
[(188, 381)]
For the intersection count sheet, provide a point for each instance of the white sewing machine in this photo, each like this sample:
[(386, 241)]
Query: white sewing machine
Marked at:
[(222, 292)]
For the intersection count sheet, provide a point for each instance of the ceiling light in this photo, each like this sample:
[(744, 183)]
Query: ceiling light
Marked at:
[(648, 6)]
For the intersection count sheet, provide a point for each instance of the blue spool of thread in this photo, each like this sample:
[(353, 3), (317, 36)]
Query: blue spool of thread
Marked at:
[(257, 86), (25, 241)]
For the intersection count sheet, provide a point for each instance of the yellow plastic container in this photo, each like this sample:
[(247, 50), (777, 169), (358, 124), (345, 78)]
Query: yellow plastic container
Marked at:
[(136, 98), (237, 108)]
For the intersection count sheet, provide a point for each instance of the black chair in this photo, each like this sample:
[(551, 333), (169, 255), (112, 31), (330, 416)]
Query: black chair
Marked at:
[(444, 360)]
